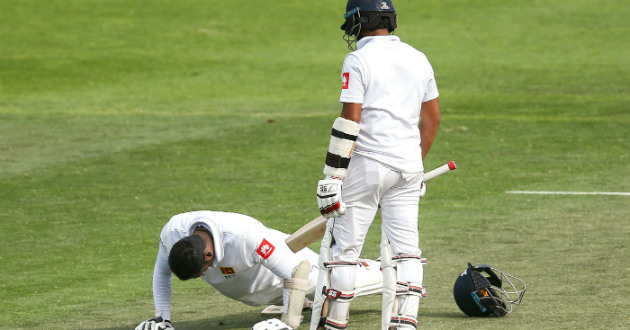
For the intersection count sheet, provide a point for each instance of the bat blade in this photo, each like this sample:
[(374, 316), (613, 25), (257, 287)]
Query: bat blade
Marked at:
[(314, 230), (307, 234), (272, 309)]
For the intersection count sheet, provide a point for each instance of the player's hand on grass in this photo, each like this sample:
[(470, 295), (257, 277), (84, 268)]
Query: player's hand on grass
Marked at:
[(157, 323), (329, 197)]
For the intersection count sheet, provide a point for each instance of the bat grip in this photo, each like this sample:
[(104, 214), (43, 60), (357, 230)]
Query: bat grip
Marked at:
[(440, 170)]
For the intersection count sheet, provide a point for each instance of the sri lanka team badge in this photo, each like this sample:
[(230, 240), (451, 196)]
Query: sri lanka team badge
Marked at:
[(227, 270), (265, 249)]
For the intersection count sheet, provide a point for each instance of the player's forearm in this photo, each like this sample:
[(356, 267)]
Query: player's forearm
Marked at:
[(162, 288), (429, 125), (427, 135), (343, 137)]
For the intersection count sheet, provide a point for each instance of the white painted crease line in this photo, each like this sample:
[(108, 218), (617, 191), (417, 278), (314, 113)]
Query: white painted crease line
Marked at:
[(612, 193)]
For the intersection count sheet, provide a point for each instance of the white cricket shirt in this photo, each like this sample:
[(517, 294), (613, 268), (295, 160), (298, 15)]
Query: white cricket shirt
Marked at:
[(391, 80), (250, 260)]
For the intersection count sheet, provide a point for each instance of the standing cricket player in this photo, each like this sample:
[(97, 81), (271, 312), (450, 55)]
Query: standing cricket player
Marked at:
[(389, 120), (243, 260)]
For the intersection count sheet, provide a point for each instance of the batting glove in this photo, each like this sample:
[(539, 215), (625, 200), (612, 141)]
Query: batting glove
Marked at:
[(423, 189), (157, 323), (329, 197), (271, 324)]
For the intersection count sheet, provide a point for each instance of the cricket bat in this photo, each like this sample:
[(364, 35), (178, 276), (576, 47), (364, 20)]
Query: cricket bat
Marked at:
[(314, 230)]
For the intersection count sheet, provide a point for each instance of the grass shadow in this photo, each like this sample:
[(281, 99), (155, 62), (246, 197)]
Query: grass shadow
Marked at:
[(233, 321)]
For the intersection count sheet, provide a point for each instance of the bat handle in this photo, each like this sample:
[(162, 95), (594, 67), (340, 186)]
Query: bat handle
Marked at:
[(450, 166)]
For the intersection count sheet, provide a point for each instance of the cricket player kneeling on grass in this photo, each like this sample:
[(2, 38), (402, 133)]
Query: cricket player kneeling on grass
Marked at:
[(243, 260)]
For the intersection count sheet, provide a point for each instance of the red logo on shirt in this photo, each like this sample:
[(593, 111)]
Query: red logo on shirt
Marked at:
[(345, 79), (265, 249)]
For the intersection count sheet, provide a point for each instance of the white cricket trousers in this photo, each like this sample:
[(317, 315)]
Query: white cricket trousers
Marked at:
[(367, 185)]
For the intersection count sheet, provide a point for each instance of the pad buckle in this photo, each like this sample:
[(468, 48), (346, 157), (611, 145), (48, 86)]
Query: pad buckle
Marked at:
[(337, 294)]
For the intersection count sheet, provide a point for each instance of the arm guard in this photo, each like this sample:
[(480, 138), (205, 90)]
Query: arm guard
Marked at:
[(343, 137)]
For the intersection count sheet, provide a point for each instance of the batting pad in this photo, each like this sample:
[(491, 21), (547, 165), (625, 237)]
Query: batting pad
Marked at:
[(298, 285)]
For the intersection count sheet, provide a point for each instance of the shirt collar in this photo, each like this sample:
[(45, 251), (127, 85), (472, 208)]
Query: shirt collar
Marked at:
[(373, 39), (216, 240)]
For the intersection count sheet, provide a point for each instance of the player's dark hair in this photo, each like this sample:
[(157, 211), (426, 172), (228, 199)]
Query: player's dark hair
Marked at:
[(385, 24), (187, 258)]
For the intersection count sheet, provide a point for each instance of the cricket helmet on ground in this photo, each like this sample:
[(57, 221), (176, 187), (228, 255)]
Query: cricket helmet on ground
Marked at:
[(485, 291), (367, 14)]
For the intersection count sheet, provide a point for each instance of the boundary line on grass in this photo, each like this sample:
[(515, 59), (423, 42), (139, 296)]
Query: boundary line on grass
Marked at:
[(610, 193)]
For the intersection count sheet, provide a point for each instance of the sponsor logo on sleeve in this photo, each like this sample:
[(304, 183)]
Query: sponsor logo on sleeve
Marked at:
[(265, 249), (345, 79)]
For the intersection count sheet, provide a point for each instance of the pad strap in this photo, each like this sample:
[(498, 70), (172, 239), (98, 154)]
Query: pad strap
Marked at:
[(338, 294), (343, 137), (410, 288), (409, 256), (333, 324), (296, 283), (339, 263), (404, 321)]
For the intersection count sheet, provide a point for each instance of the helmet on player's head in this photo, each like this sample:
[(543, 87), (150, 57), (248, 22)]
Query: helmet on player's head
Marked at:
[(494, 293), (367, 15)]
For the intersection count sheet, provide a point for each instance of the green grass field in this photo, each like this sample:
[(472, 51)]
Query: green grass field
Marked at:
[(116, 115)]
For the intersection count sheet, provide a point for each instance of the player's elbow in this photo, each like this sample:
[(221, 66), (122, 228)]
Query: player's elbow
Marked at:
[(430, 113)]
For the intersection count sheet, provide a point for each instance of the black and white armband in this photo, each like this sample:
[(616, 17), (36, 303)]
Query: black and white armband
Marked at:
[(343, 137)]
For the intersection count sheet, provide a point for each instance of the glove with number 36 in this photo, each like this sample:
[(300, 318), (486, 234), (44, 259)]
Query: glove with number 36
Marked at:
[(329, 197)]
